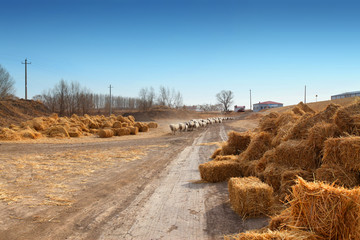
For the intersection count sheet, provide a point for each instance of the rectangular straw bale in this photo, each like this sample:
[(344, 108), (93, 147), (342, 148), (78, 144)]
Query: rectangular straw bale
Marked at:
[(219, 171), (330, 212), (348, 118), (293, 153), (106, 133), (267, 123), (259, 144), (343, 151), (144, 128), (320, 132), (250, 197), (273, 235), (124, 124), (237, 143), (58, 131), (331, 173)]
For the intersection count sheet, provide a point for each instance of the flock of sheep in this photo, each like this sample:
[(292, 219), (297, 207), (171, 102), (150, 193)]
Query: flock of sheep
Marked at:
[(196, 123)]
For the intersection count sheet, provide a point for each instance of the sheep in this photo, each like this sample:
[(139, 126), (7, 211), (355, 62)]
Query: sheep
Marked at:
[(174, 128)]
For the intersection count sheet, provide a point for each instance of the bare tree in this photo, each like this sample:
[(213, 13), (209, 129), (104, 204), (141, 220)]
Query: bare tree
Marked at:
[(6, 83), (225, 98)]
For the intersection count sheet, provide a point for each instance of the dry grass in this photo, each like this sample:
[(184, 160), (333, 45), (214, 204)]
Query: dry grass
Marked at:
[(273, 235), (53, 179)]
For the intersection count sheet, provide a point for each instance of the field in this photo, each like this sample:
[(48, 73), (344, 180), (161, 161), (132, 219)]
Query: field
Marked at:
[(144, 186)]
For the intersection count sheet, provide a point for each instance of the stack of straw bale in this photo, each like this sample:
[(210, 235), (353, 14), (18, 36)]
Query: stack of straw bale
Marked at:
[(250, 197)]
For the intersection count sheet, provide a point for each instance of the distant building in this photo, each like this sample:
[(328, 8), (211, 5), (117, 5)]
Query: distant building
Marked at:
[(195, 108), (265, 105), (346, 95), (239, 108)]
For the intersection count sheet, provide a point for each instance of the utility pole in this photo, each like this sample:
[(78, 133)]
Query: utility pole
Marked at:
[(110, 98), (26, 63), (250, 99), (305, 95), (316, 97)]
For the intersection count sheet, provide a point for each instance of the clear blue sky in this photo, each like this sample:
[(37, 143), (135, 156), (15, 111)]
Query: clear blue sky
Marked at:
[(198, 47)]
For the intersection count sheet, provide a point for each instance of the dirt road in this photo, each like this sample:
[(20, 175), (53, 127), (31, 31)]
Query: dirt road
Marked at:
[(154, 196)]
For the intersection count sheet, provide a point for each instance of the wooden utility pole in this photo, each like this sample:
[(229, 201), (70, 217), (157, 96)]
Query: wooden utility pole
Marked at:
[(305, 95), (26, 63), (250, 99), (110, 98)]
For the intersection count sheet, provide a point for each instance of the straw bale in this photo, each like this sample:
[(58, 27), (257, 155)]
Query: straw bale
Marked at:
[(121, 131), (124, 124), (226, 157), (343, 151), (58, 131), (106, 124), (144, 128), (330, 212), (292, 153), (248, 167), (267, 123), (249, 197), (218, 171), (106, 133), (237, 143), (282, 132), (216, 153), (123, 119), (288, 179), (320, 132), (305, 107), (297, 111), (30, 133), (8, 134), (75, 117), (273, 235), (74, 132), (280, 221), (330, 173), (259, 144), (38, 124), (348, 118), (301, 127), (117, 124), (152, 125), (138, 124), (94, 131), (272, 175), (131, 119), (93, 124), (54, 116), (133, 130)]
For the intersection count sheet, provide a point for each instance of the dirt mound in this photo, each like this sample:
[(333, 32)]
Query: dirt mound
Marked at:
[(15, 111)]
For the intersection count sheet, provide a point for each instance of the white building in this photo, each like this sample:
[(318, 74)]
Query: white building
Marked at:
[(346, 95), (266, 105)]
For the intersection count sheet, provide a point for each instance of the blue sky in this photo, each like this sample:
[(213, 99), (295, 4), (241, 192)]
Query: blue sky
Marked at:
[(197, 47)]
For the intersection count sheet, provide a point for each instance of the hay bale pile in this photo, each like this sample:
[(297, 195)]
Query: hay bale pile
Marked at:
[(317, 146), (314, 145), (250, 197), (75, 126)]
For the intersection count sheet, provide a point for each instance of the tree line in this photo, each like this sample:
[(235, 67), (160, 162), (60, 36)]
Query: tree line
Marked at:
[(69, 98)]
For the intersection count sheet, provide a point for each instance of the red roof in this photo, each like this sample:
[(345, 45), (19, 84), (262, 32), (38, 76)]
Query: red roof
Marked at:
[(269, 102)]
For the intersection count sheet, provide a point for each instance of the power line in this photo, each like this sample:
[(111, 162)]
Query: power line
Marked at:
[(26, 63)]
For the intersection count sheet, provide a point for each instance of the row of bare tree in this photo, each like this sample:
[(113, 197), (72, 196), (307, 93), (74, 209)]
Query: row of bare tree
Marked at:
[(69, 98)]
